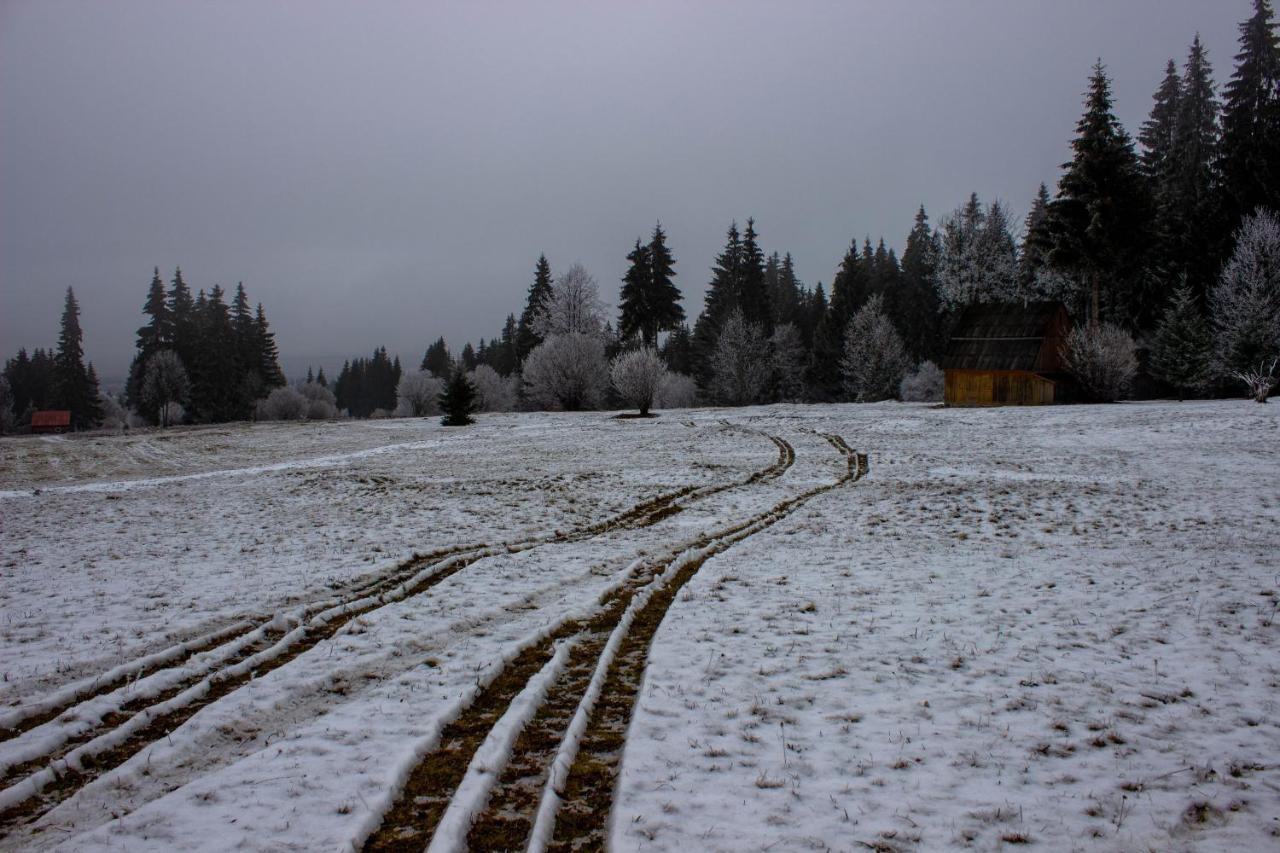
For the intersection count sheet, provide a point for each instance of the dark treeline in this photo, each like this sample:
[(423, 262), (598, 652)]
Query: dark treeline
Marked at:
[(1136, 237), (1167, 244)]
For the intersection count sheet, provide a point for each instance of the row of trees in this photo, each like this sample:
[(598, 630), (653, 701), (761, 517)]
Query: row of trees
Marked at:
[(1159, 246), (57, 379)]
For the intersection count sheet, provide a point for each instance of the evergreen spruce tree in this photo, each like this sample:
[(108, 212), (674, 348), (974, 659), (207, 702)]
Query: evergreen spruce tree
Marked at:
[(182, 313), (268, 354), (156, 335), (215, 394), (1099, 220), (437, 360), (311, 378), (720, 300), (787, 293), (753, 294), (458, 400), (635, 311), (526, 338), (468, 358), (321, 380), (1157, 135), (250, 385), (76, 387), (677, 350), (1191, 200), (665, 311), (1183, 346), (1249, 160), (918, 296)]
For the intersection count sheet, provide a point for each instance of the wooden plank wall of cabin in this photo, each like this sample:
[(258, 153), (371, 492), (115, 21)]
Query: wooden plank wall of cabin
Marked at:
[(997, 388)]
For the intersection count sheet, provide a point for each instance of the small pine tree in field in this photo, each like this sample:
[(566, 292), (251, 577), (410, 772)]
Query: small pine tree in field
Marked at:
[(458, 400), (1183, 346)]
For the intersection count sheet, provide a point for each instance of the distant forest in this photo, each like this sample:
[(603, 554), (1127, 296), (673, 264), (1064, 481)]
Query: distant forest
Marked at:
[(1165, 250)]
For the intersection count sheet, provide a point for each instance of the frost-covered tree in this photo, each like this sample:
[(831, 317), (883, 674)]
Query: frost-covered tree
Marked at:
[(494, 392), (572, 307), (787, 357), (164, 381), (458, 400), (1103, 359), (677, 391), (740, 367), (567, 371), (977, 257), (925, 384), (1245, 306), (321, 404), (637, 375), (417, 394), (1182, 346), (283, 404), (1260, 380), (874, 359)]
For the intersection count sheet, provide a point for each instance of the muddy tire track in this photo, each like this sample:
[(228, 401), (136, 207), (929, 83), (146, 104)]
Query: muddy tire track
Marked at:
[(624, 623), (60, 773)]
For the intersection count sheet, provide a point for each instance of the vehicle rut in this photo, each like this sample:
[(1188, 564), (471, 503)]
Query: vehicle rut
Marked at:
[(38, 784), (624, 622)]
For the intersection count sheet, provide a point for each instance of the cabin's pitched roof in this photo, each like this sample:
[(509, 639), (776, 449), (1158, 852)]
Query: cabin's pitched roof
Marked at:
[(53, 418), (1002, 336)]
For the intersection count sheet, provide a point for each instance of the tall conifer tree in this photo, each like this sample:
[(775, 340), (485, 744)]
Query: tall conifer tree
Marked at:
[(76, 386), (1249, 160), (526, 338)]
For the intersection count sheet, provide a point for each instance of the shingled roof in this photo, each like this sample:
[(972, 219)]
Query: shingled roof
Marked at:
[(1007, 336)]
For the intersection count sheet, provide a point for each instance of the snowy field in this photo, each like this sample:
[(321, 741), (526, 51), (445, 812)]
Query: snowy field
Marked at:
[(1053, 627)]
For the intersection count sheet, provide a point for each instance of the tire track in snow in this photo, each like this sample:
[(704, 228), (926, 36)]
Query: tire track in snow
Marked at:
[(68, 763), (515, 794)]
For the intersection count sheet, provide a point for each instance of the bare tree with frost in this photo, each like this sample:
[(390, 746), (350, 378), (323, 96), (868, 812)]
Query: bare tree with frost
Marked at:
[(875, 358), (572, 307), (283, 404), (1245, 306), (1103, 359), (925, 384), (164, 382), (494, 392), (567, 371), (418, 394), (321, 404), (677, 391), (740, 367), (637, 375)]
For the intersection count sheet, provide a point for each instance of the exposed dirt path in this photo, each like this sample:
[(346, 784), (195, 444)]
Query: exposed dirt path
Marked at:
[(615, 641), (63, 765)]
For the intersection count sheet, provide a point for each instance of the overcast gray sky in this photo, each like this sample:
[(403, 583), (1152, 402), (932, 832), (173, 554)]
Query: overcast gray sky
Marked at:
[(384, 173)]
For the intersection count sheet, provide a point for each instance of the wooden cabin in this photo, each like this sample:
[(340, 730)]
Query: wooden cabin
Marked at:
[(1008, 354), (51, 421)]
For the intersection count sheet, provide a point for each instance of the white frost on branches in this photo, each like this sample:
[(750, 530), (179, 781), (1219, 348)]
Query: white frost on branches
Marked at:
[(740, 365), (637, 375), (874, 358), (567, 372), (418, 394), (164, 382), (925, 384), (572, 307), (1103, 358), (787, 352), (677, 391), (494, 392), (1245, 306), (977, 258)]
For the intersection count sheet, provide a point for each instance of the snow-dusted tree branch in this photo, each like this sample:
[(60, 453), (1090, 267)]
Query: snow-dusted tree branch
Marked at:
[(874, 358), (977, 258), (566, 372), (164, 382), (494, 392), (1259, 381), (1245, 306), (637, 375), (1103, 359), (740, 367), (418, 394), (572, 307)]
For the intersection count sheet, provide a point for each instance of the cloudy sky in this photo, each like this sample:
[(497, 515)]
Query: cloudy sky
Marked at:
[(383, 173)]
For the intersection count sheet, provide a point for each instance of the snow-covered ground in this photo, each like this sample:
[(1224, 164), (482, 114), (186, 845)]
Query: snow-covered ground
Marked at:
[(1051, 625)]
